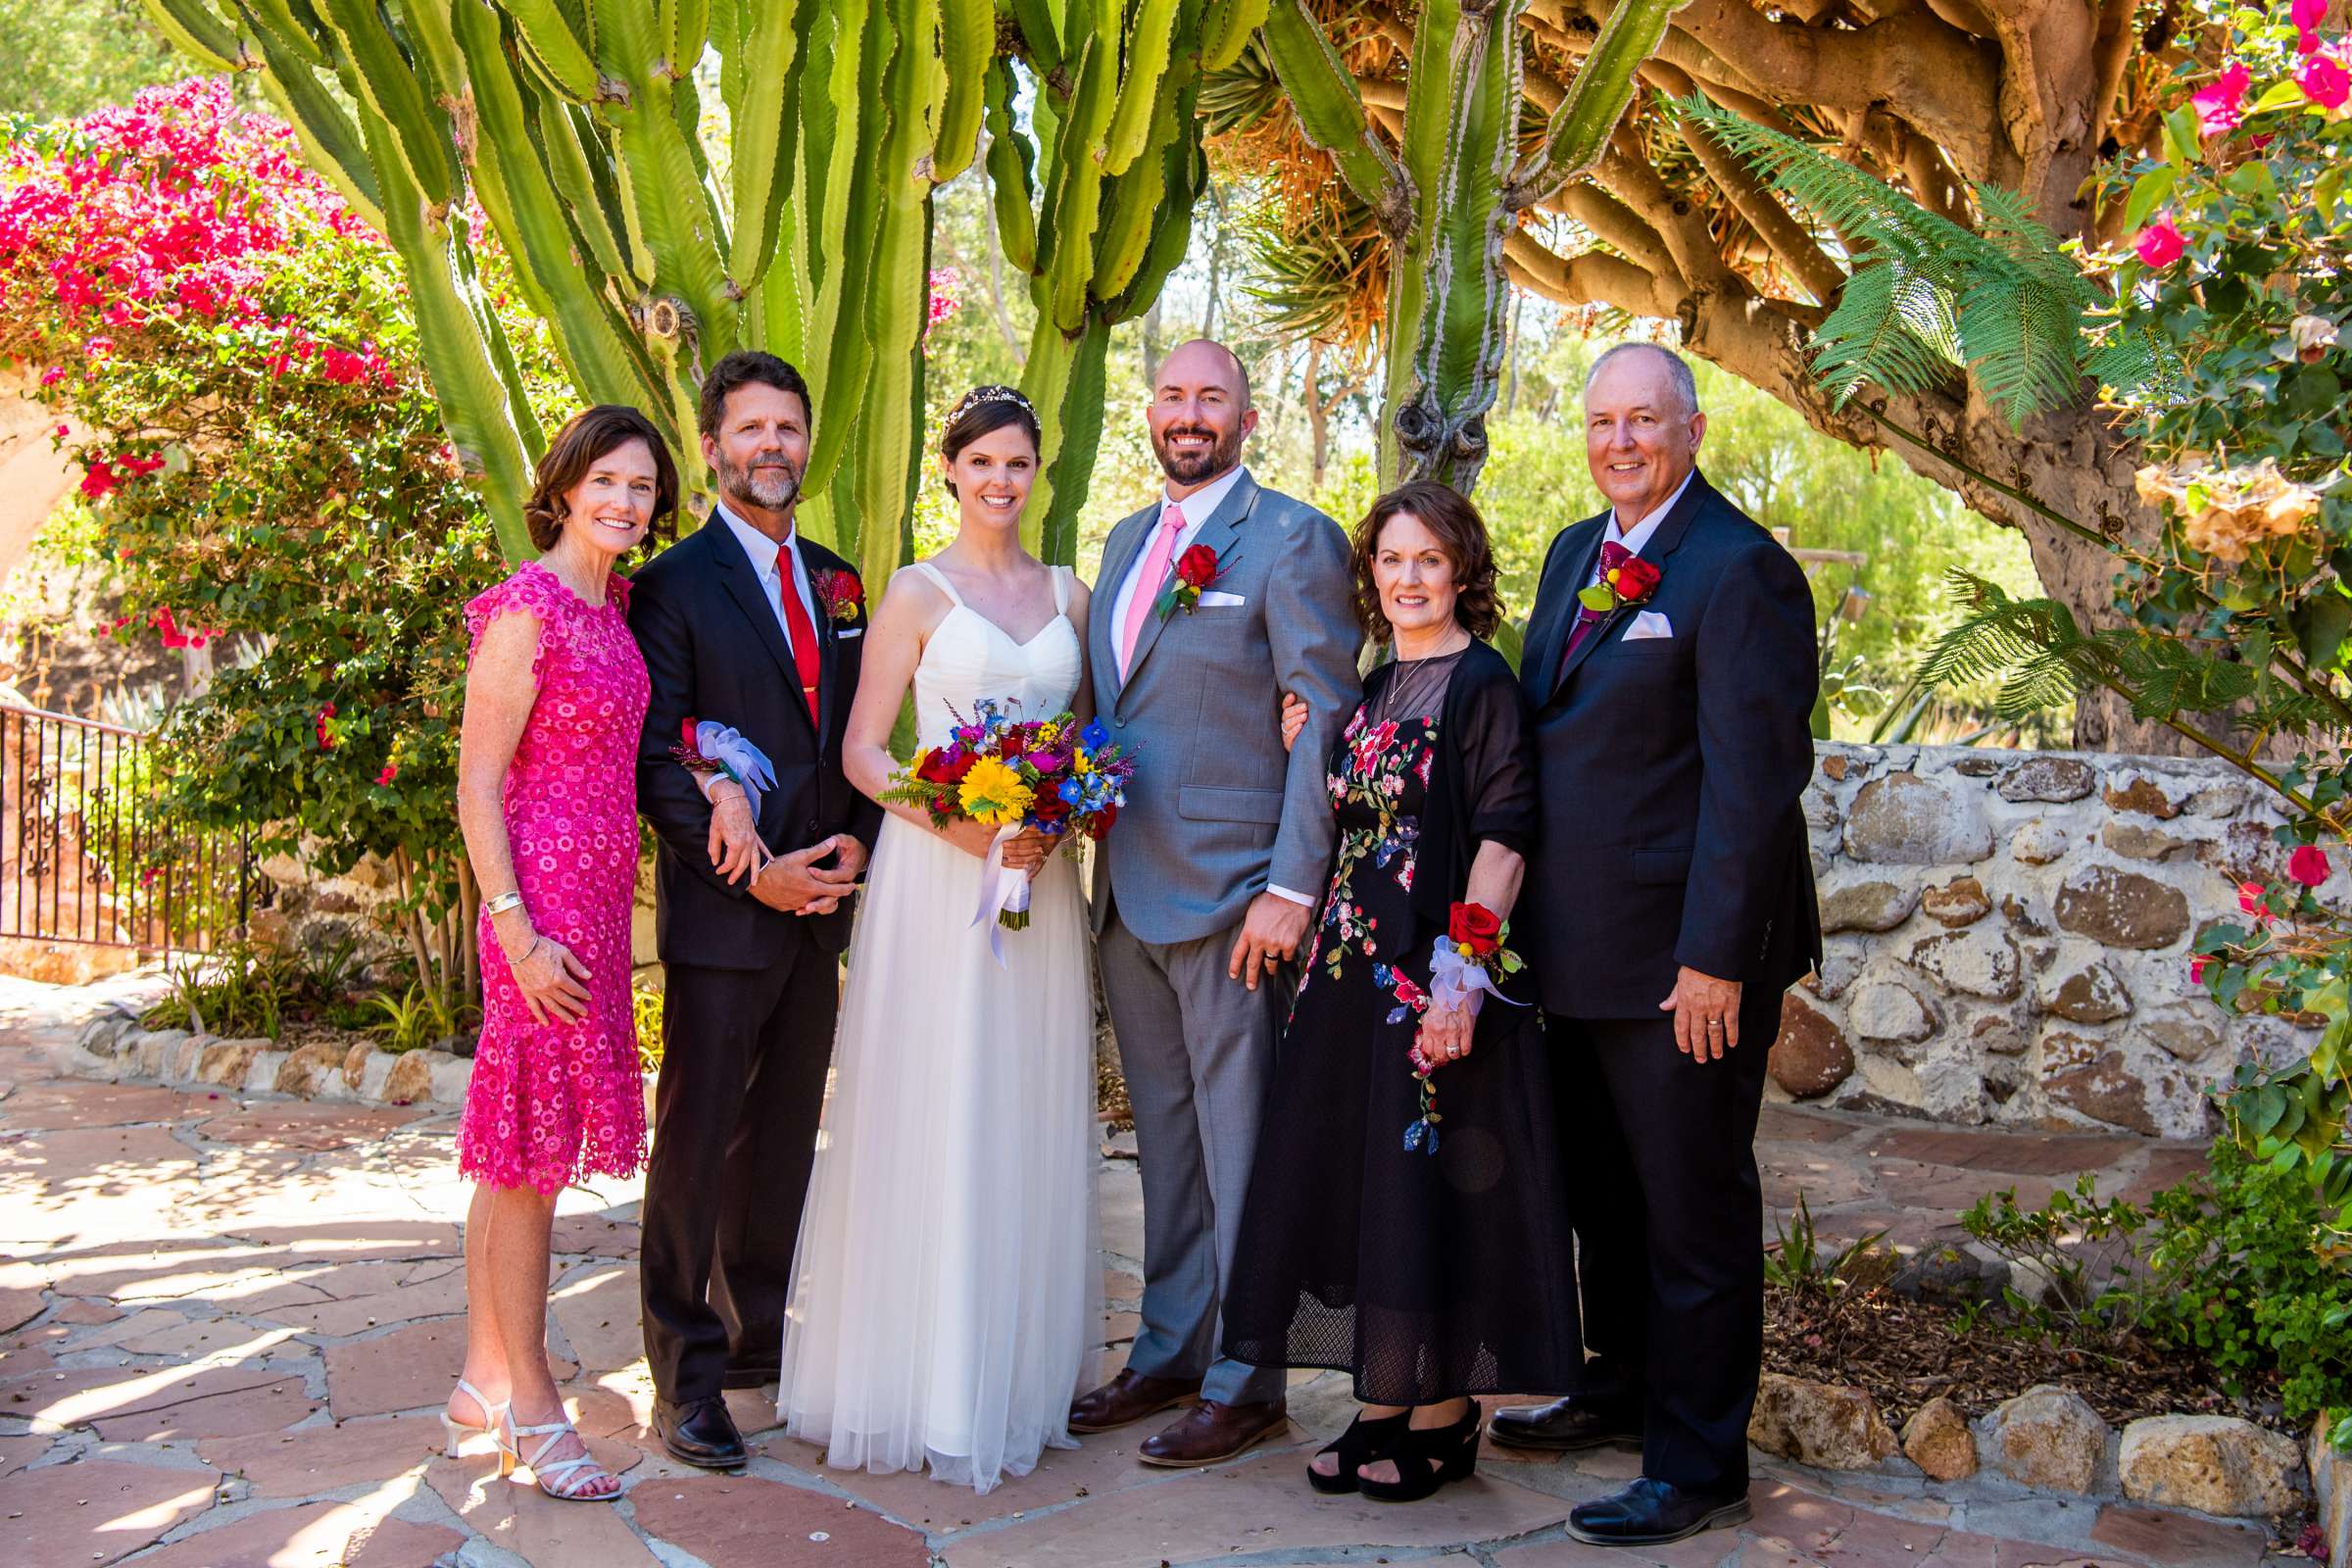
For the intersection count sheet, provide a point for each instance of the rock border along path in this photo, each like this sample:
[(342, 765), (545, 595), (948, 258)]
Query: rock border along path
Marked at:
[(227, 1320)]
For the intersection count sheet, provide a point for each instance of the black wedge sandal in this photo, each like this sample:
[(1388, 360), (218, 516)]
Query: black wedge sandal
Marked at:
[(1364, 1442), (1426, 1459)]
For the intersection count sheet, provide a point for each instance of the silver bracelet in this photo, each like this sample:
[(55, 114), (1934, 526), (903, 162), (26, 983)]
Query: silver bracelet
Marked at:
[(502, 903)]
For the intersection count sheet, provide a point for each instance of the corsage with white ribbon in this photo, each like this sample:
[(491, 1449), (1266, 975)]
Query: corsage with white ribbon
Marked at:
[(713, 748), (1462, 965)]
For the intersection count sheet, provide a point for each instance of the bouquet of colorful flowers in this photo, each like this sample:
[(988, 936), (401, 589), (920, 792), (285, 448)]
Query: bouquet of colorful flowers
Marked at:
[(1050, 774)]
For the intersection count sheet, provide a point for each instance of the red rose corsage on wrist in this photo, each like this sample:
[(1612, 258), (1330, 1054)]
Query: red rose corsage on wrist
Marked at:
[(1462, 966), (1196, 570)]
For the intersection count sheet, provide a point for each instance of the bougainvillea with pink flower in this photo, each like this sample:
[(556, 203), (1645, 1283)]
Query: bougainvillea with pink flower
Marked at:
[(262, 451)]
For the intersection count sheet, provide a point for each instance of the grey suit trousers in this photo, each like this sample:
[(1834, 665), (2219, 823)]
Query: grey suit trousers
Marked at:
[(1198, 1049)]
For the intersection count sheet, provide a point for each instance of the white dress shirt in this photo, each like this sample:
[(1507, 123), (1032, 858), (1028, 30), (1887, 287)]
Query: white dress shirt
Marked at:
[(1199, 507), (1637, 538), (764, 551)]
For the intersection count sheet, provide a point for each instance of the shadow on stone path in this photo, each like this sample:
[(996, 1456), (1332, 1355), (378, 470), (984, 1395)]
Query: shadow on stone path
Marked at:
[(228, 1322)]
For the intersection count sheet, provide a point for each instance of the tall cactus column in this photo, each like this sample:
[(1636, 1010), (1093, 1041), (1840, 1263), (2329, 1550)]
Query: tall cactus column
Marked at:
[(1450, 194), (1094, 200)]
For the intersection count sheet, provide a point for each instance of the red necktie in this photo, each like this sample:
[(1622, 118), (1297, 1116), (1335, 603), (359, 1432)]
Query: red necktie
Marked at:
[(804, 630), (1612, 555)]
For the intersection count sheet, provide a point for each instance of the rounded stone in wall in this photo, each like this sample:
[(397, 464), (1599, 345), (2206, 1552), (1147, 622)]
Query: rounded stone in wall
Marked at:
[(1999, 1035), (2095, 994), (1903, 820), (1888, 1010), (2057, 779), (2094, 1077), (1810, 1057), (1958, 902), (2121, 908), (1872, 906), (2038, 843), (1980, 962), (2135, 841), (2184, 1031), (2140, 793)]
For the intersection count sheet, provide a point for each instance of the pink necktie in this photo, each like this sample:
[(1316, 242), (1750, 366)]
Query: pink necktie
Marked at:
[(1148, 583)]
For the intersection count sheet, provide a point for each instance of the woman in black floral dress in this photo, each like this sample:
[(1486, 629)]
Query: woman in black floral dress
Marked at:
[(1404, 1221)]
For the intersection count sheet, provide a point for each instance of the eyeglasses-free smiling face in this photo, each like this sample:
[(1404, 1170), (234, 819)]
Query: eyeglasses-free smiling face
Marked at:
[(992, 477), (762, 448), (1639, 439), (1200, 414), (1414, 575), (614, 502)]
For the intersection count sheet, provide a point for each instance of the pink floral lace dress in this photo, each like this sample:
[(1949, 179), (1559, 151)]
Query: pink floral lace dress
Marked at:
[(551, 1103)]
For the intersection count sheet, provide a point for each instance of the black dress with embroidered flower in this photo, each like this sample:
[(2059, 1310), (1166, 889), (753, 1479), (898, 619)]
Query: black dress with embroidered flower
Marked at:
[(1429, 1255)]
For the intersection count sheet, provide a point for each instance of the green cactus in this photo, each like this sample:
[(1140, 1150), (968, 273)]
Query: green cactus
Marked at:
[(575, 123), (1094, 202), (1450, 193)]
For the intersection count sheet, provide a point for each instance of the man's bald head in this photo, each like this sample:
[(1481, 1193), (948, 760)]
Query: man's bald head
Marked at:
[(1200, 414)]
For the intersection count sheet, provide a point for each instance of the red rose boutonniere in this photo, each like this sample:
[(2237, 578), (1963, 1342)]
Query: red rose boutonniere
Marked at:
[(1196, 570), (842, 594), (1629, 582)]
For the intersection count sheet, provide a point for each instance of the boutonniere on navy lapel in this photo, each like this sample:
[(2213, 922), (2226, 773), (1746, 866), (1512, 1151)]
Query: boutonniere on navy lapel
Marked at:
[(1196, 570), (1626, 580), (842, 594)]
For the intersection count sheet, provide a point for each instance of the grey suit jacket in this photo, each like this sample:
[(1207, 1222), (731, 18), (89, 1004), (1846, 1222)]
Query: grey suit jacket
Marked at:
[(1218, 810)]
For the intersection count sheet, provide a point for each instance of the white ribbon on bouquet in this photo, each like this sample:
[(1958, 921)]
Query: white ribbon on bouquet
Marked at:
[(1003, 890)]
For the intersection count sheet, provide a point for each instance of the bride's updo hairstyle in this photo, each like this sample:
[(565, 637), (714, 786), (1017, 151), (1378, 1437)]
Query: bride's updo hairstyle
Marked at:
[(984, 411)]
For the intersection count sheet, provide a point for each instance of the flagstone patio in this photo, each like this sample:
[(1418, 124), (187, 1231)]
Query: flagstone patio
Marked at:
[(227, 1323)]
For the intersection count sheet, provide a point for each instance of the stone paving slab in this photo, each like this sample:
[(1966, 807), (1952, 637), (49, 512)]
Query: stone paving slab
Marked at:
[(228, 1322)]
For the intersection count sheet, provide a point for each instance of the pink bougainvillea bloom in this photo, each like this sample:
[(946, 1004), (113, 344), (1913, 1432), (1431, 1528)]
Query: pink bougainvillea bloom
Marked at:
[(2325, 81), (327, 739), (391, 771), (52, 376), (2221, 103), (2308, 864), (2197, 968), (2250, 899), (99, 480), (2307, 14), (2160, 244)]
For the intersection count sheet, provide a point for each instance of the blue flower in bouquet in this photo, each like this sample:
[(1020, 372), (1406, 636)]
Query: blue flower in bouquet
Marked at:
[(1094, 737), (1072, 792)]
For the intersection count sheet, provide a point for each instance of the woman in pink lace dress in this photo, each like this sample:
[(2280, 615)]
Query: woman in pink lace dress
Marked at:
[(547, 797)]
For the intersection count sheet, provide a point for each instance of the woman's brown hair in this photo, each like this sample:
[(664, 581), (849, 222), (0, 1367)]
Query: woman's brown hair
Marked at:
[(1460, 532), (587, 437)]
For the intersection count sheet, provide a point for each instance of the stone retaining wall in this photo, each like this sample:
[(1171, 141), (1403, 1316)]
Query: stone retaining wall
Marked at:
[(2008, 936)]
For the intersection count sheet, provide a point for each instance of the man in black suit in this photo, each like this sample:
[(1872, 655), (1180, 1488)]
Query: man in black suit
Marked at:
[(1670, 904), (743, 623)]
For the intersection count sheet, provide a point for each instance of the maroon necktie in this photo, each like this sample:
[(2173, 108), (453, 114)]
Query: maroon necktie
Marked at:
[(1612, 555)]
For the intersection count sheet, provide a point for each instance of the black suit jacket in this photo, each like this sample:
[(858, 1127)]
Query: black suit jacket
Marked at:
[(1671, 766), (714, 651)]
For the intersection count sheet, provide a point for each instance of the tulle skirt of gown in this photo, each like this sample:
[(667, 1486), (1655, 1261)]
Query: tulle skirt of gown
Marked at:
[(947, 1288)]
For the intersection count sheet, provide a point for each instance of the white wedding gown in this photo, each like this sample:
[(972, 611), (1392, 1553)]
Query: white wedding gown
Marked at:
[(947, 1287)]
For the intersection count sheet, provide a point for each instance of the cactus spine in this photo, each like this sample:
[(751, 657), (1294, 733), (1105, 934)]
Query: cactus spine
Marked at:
[(1450, 193), (574, 125)]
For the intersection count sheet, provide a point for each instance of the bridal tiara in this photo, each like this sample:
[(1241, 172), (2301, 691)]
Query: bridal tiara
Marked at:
[(990, 394)]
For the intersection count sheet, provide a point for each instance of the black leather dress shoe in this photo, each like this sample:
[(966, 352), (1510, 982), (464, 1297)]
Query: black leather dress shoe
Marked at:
[(698, 1433), (1565, 1426), (1650, 1513)]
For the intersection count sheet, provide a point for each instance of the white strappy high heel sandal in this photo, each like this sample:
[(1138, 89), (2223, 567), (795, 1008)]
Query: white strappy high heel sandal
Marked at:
[(456, 1434), (558, 1478)]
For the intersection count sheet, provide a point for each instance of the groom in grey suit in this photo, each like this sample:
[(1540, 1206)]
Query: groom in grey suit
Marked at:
[(1207, 884)]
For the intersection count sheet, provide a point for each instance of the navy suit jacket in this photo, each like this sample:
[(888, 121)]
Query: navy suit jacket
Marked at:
[(1671, 766), (712, 650)]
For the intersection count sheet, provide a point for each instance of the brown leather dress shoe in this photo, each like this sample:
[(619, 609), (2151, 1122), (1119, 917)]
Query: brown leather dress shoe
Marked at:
[(1210, 1433), (1130, 1397)]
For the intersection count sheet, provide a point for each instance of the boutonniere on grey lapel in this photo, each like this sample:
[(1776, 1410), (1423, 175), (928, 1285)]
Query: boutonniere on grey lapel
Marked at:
[(1626, 580), (842, 594), (1196, 570)]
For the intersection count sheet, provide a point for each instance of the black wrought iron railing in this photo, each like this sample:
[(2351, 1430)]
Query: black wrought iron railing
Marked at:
[(85, 857)]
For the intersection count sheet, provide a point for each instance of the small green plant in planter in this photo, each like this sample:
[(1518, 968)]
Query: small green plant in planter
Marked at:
[(2080, 1245)]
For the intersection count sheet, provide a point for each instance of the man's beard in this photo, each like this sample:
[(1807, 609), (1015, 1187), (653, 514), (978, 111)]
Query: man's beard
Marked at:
[(769, 488), (1191, 468)]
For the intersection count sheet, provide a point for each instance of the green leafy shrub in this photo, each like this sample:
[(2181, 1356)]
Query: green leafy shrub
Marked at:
[(2076, 1246)]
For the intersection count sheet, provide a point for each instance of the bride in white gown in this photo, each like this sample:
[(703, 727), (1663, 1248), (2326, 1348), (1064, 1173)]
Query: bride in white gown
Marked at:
[(947, 1284)]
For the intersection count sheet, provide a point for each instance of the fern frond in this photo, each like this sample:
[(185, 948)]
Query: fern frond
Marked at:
[(2035, 638), (2008, 303), (2046, 680)]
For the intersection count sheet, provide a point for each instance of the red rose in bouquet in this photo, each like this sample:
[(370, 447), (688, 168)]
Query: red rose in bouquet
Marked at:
[(1474, 929)]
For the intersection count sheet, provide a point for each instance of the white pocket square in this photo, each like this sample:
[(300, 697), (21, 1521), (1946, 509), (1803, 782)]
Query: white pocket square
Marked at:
[(1648, 623), (1217, 598), (845, 636)]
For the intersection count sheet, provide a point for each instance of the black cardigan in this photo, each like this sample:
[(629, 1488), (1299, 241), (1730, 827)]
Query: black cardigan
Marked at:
[(1483, 787)]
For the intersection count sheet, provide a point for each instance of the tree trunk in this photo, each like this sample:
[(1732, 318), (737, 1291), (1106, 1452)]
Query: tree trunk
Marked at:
[(1150, 346), (1318, 416)]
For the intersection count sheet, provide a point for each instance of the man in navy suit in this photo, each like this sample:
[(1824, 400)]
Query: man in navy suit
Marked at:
[(1671, 663)]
